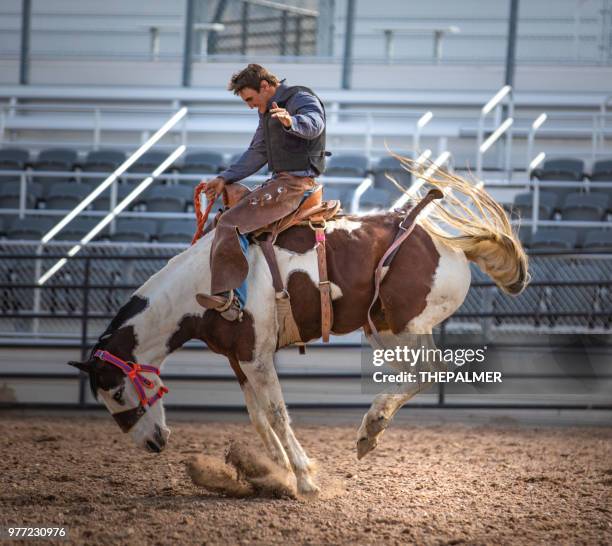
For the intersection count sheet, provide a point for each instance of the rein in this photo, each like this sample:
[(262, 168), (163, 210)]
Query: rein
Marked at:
[(201, 217), (127, 419)]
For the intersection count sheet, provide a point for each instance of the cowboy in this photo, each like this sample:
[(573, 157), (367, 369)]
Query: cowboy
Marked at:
[(290, 138)]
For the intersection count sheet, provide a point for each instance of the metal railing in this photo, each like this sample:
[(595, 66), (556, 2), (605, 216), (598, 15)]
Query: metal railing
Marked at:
[(80, 298)]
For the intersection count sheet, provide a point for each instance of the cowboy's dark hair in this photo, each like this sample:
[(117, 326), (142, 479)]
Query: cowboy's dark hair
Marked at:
[(251, 77)]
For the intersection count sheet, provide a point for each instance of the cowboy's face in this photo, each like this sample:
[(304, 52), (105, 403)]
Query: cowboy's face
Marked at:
[(258, 99)]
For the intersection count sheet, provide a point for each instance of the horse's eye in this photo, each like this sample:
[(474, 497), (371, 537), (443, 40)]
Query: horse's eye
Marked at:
[(118, 396)]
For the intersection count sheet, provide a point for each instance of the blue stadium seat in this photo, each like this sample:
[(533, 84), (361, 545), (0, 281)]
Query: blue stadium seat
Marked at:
[(523, 205), (375, 199), (176, 231), (585, 206), (204, 163), (102, 161), (65, 195), (598, 240), (602, 171), (554, 239), (171, 198), (10, 191), (392, 167), (134, 230), (13, 159), (77, 229), (561, 170), (30, 228), (102, 202), (348, 165)]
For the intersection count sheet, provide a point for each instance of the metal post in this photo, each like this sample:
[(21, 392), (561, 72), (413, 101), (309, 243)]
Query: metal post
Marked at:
[(24, 62), (155, 43), (437, 50), (245, 28), (96, 135), (509, 78), (325, 28), (84, 321), (388, 45), (535, 207), (212, 35), (22, 194), (298, 35), (347, 64), (283, 33), (188, 47)]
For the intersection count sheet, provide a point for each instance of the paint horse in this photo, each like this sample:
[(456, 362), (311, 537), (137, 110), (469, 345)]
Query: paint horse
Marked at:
[(425, 284)]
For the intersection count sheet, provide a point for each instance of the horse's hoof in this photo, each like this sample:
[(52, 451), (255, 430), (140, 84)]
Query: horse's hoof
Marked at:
[(307, 488), (376, 426), (364, 446)]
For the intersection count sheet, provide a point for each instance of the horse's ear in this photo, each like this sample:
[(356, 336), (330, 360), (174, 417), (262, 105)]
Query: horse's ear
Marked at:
[(83, 366)]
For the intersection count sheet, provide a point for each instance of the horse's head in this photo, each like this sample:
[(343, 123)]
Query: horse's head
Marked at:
[(132, 394), (131, 390)]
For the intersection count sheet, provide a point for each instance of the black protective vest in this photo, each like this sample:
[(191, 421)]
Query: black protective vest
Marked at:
[(287, 152)]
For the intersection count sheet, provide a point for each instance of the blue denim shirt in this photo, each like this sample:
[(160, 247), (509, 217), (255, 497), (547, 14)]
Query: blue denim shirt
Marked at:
[(308, 122)]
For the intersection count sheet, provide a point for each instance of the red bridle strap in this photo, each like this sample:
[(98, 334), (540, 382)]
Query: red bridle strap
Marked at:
[(133, 371)]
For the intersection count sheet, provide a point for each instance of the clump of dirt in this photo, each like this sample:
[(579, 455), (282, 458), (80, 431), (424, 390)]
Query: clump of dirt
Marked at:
[(246, 472)]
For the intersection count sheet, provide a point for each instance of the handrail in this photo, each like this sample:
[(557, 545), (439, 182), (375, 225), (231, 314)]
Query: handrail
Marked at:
[(501, 128), (420, 125), (115, 212), (538, 122), (118, 172)]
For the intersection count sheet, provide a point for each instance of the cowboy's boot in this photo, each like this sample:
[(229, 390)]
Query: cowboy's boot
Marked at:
[(227, 305)]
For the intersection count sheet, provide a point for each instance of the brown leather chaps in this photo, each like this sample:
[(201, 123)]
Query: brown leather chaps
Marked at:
[(277, 198)]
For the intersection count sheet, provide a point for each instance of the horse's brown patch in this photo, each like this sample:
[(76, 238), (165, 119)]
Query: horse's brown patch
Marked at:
[(352, 258), (232, 339)]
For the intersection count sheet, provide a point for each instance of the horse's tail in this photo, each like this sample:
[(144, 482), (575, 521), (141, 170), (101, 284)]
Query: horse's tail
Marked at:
[(469, 219)]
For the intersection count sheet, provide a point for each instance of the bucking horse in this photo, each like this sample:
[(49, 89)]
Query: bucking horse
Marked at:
[(424, 284)]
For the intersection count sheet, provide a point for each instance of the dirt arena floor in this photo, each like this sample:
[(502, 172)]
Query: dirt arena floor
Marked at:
[(447, 483)]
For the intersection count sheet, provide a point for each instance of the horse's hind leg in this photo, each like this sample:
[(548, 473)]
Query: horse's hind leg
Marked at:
[(262, 376), (385, 406)]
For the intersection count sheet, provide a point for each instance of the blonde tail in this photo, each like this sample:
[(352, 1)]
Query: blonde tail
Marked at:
[(469, 219)]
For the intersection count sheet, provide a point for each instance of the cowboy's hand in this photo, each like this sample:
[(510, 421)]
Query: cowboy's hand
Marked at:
[(281, 115), (214, 187)]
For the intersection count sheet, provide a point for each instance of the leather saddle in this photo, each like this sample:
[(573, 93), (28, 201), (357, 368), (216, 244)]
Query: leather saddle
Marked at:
[(313, 210)]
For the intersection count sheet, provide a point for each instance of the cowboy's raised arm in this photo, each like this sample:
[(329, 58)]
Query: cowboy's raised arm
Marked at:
[(250, 161), (309, 121)]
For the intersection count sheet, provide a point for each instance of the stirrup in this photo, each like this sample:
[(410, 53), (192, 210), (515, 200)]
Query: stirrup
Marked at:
[(228, 307)]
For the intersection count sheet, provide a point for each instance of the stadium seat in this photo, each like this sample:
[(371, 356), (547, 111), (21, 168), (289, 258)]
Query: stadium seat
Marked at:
[(375, 198), (56, 159), (176, 231), (102, 202), (30, 228), (65, 195), (13, 159), (585, 206), (338, 193), (168, 198), (202, 163), (148, 162), (598, 240), (77, 229), (602, 171), (390, 166), (134, 230), (102, 161), (347, 165), (523, 205), (561, 169), (553, 239), (10, 193)]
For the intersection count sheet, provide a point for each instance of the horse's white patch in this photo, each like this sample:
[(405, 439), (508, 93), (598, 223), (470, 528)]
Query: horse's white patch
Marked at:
[(290, 262), (450, 286), (345, 224)]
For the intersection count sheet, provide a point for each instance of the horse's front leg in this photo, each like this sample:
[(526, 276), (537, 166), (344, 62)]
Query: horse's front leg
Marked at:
[(263, 379)]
